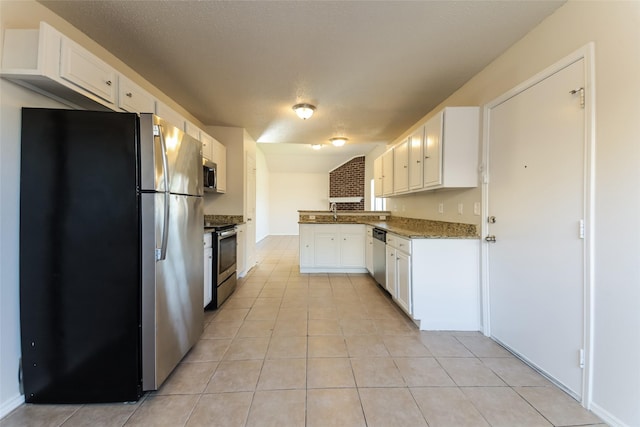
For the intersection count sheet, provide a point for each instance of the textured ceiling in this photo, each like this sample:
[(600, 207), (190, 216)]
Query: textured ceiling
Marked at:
[(372, 68)]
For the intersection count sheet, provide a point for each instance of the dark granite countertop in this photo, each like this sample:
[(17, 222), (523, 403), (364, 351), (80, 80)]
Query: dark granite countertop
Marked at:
[(407, 227)]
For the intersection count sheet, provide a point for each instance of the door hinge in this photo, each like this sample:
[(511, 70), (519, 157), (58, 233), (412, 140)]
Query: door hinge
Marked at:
[(581, 358), (581, 229), (581, 91)]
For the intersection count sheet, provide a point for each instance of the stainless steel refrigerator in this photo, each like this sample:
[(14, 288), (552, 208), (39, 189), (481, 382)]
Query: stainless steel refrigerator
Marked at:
[(111, 265)]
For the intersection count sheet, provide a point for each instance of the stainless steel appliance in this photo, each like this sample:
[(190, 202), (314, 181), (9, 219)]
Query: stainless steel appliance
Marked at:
[(111, 265), (209, 175), (379, 256), (225, 243)]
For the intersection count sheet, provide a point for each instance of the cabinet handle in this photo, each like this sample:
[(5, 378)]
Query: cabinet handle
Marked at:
[(129, 94), (108, 82), (417, 161)]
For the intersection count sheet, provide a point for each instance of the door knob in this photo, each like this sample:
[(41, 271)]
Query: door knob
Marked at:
[(490, 238)]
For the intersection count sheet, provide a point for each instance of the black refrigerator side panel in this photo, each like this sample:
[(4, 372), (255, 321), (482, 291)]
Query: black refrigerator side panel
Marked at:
[(79, 257)]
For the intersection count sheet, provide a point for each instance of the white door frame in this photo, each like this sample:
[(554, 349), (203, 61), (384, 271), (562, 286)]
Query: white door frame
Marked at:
[(587, 53)]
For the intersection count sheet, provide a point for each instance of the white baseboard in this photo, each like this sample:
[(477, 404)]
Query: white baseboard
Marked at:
[(11, 404), (607, 417)]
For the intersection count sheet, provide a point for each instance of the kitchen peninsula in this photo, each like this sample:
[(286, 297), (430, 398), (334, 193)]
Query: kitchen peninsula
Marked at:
[(431, 267)]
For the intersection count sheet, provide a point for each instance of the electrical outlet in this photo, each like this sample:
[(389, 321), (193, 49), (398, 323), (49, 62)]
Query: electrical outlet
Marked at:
[(441, 207), (383, 217), (312, 217), (460, 208)]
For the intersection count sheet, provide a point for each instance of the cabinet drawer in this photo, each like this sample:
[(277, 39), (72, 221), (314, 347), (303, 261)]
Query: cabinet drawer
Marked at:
[(401, 243)]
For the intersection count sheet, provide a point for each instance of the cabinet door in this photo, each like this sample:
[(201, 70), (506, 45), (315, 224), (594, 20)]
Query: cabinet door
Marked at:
[(432, 151), (207, 146), (416, 150), (391, 270), (326, 247), (241, 255), (352, 246), (220, 155), (387, 173), (208, 276), (403, 278), (192, 130), (368, 250), (401, 167), (306, 245), (377, 177), (80, 67), (133, 98), (170, 115)]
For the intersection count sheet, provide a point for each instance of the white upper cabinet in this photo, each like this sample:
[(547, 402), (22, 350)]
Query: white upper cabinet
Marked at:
[(133, 98), (416, 158), (82, 68), (377, 177), (192, 130), (207, 146), (451, 148), (432, 154), (220, 156), (48, 62), (401, 167), (170, 115), (387, 173), (441, 154)]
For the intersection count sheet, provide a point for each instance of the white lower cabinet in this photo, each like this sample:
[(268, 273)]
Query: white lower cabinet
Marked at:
[(390, 271), (208, 269), (241, 251), (368, 249), (445, 284), (332, 248), (435, 281), (399, 270)]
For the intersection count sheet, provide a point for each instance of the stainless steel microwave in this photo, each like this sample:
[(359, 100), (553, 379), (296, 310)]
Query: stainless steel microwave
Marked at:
[(209, 176)]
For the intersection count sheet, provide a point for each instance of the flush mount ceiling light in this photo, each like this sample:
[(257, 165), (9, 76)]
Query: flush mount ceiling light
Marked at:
[(338, 141), (316, 146), (304, 111)]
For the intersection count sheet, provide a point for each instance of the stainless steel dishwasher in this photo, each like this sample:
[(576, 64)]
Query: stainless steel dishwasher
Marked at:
[(379, 256)]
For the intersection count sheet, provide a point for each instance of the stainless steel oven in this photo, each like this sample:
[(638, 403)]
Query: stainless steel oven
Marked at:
[(225, 244)]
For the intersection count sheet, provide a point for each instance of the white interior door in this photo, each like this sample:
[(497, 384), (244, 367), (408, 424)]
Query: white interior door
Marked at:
[(536, 193)]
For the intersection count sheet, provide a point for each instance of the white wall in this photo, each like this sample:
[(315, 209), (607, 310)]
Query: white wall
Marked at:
[(13, 99), (614, 27), (290, 192), (262, 196)]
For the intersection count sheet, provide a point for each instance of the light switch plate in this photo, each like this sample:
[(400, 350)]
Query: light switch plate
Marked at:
[(476, 208)]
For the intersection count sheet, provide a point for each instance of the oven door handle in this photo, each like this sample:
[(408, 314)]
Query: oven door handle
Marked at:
[(227, 233)]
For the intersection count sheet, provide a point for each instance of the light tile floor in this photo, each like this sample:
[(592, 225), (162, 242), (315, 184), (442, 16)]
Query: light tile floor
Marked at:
[(290, 349)]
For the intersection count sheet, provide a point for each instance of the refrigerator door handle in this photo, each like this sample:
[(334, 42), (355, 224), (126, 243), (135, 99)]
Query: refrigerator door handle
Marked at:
[(161, 253)]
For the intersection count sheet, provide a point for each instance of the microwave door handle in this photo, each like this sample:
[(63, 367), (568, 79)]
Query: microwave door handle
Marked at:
[(162, 252), (215, 177)]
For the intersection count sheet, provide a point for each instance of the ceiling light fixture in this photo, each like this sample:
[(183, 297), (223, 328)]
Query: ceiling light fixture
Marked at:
[(304, 111), (316, 146), (338, 141)]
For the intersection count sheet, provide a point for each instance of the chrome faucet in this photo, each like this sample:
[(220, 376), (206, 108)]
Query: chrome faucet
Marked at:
[(334, 208)]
